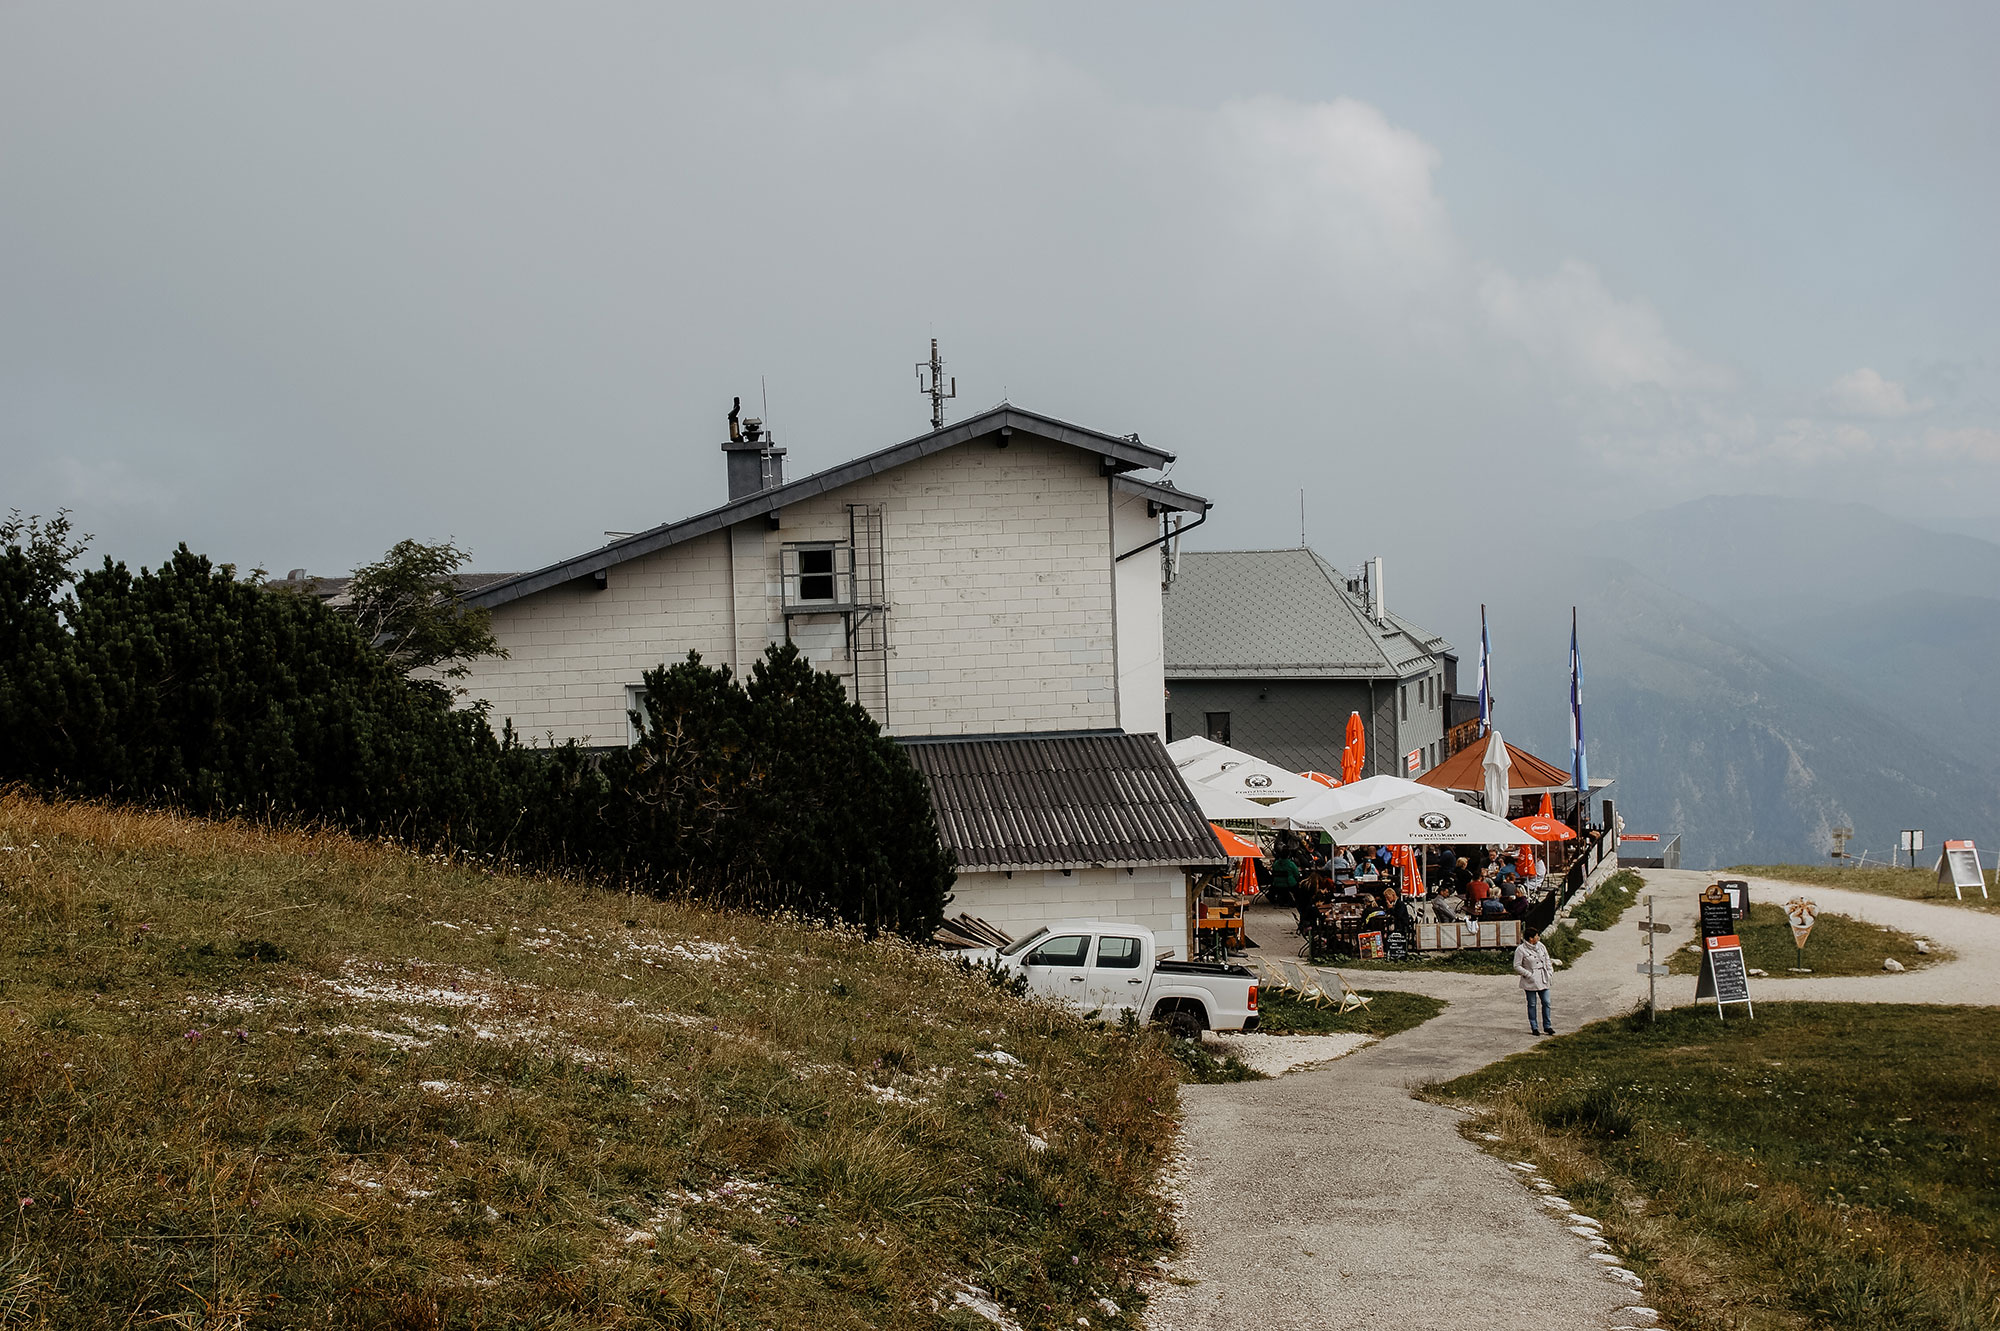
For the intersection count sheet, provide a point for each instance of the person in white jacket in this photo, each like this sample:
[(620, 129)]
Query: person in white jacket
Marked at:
[(1537, 972)]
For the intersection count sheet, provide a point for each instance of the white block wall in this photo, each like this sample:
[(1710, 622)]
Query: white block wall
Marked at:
[(999, 571), (1142, 677), (1152, 898)]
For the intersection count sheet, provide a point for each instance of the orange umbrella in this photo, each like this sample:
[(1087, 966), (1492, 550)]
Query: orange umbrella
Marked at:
[(1236, 846), (1321, 777), (1351, 757)]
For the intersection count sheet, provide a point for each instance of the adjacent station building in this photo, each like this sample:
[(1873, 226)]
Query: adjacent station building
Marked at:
[(1270, 651)]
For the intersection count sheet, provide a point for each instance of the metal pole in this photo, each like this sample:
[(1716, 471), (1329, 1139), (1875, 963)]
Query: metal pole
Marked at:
[(1652, 980)]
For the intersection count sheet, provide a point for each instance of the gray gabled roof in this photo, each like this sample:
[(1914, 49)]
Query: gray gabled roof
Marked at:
[(1117, 454), (1075, 800), (1281, 614)]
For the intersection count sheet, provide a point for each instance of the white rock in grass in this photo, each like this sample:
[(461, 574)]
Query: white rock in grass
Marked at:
[(1603, 1257), (1583, 1231), (1891, 964), (1555, 1203), (1579, 1218), (1521, 1165), (1639, 1310), (1923, 947), (1621, 1273), (1759, 974)]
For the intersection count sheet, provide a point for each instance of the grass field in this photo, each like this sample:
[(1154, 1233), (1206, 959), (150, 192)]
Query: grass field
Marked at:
[(1387, 1013), (1825, 1165), (1838, 945), (271, 1079), (1909, 884)]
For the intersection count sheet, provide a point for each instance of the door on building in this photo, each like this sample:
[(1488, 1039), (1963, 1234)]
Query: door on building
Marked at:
[(1055, 969), (1114, 983)]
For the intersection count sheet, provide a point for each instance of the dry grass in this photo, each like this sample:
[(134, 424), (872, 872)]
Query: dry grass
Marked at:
[(256, 1078), (1909, 884), (1824, 1165)]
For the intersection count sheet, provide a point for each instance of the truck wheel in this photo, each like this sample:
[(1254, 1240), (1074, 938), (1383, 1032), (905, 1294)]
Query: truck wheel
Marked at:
[(1182, 1025)]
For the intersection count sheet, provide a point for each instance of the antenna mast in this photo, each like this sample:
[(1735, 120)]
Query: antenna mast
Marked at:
[(931, 383)]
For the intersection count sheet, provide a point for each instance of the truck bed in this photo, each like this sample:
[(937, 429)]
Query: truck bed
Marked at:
[(1200, 968)]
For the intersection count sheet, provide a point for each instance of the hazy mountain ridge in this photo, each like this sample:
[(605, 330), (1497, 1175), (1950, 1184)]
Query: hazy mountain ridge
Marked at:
[(1732, 739)]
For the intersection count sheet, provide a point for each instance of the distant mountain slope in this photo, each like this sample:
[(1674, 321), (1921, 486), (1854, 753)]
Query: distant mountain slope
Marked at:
[(1760, 553), (1721, 736)]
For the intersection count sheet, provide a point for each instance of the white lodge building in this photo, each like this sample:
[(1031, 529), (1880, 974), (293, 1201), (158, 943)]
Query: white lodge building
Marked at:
[(990, 591)]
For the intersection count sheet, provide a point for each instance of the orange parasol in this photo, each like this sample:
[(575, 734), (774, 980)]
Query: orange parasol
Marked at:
[(1544, 829), (1352, 757), (1321, 777), (1237, 847)]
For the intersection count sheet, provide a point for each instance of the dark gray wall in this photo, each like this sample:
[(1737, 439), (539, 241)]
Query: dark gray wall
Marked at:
[(1302, 724)]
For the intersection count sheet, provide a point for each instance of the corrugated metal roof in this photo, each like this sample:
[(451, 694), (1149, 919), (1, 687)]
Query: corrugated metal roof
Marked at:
[(1062, 801), (1281, 614)]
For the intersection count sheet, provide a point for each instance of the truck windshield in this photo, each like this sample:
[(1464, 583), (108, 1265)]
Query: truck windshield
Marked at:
[(1020, 943)]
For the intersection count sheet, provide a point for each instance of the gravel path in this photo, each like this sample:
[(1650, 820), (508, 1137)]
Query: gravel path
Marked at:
[(1329, 1198)]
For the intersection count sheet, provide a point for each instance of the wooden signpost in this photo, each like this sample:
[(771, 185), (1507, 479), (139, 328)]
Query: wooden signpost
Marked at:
[(1724, 977), (1959, 866)]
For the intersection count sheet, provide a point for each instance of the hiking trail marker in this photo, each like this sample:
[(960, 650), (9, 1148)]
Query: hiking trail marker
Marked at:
[(1723, 974), (1959, 866), (1650, 968)]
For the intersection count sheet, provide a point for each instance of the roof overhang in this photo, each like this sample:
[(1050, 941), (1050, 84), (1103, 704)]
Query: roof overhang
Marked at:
[(1115, 455), (1161, 496)]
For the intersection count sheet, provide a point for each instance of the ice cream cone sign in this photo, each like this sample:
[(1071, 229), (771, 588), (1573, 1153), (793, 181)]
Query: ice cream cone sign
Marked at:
[(1801, 912)]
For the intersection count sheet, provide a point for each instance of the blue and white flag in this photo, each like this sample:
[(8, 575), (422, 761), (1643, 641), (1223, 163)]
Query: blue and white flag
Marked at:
[(1485, 696), (1579, 767)]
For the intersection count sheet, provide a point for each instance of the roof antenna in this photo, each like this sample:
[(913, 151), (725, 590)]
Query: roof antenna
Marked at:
[(931, 381), (1302, 519), (764, 389)]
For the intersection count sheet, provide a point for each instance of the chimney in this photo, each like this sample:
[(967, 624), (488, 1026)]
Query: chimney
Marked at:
[(755, 461)]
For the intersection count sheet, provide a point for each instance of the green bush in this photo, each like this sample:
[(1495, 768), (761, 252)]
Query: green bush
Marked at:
[(189, 687)]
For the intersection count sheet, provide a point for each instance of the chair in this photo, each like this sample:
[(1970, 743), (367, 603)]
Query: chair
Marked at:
[(1305, 985), (1350, 997)]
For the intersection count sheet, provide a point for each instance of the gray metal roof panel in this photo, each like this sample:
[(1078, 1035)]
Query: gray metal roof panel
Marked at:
[(1125, 452), (1164, 494), (1280, 614), (1062, 801)]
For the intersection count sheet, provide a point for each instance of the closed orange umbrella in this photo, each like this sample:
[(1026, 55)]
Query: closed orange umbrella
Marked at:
[(1351, 757)]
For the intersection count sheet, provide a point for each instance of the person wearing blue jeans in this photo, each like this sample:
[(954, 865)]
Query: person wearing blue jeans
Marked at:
[(1537, 972)]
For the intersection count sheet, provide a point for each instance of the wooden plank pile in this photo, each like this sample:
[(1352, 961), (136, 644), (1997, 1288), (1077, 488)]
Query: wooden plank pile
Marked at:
[(969, 931)]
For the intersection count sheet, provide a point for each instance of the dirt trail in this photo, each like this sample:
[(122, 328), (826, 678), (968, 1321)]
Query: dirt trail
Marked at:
[(1330, 1199)]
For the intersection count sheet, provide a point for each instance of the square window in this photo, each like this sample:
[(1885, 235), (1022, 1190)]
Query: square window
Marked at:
[(816, 574), (1218, 727), (1118, 953)]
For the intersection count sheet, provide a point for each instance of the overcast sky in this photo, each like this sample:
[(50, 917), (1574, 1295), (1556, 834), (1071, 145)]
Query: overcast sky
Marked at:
[(290, 282)]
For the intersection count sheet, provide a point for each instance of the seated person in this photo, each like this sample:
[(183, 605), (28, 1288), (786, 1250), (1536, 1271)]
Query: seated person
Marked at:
[(1447, 906), (1398, 911), (1342, 863), (1491, 909)]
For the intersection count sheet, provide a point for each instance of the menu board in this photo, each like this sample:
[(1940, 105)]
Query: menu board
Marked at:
[(1732, 981), (1959, 866), (1396, 945)]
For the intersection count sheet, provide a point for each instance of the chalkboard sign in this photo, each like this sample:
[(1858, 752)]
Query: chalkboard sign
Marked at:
[(1718, 915), (1723, 975), (1397, 945)]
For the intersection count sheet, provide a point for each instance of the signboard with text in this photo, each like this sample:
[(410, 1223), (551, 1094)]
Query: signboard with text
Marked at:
[(1724, 977), (1959, 866)]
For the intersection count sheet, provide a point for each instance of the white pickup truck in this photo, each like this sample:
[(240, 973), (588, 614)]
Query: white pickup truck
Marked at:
[(1112, 969)]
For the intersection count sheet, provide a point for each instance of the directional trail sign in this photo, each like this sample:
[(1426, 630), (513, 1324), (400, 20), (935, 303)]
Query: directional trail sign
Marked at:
[(1652, 968)]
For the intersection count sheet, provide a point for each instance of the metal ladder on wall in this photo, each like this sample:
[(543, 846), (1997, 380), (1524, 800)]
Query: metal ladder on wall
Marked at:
[(868, 622)]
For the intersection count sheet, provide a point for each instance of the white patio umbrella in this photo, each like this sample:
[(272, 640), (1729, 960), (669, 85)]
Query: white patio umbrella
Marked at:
[(1219, 767), (1493, 767), (1224, 805), (1389, 811)]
